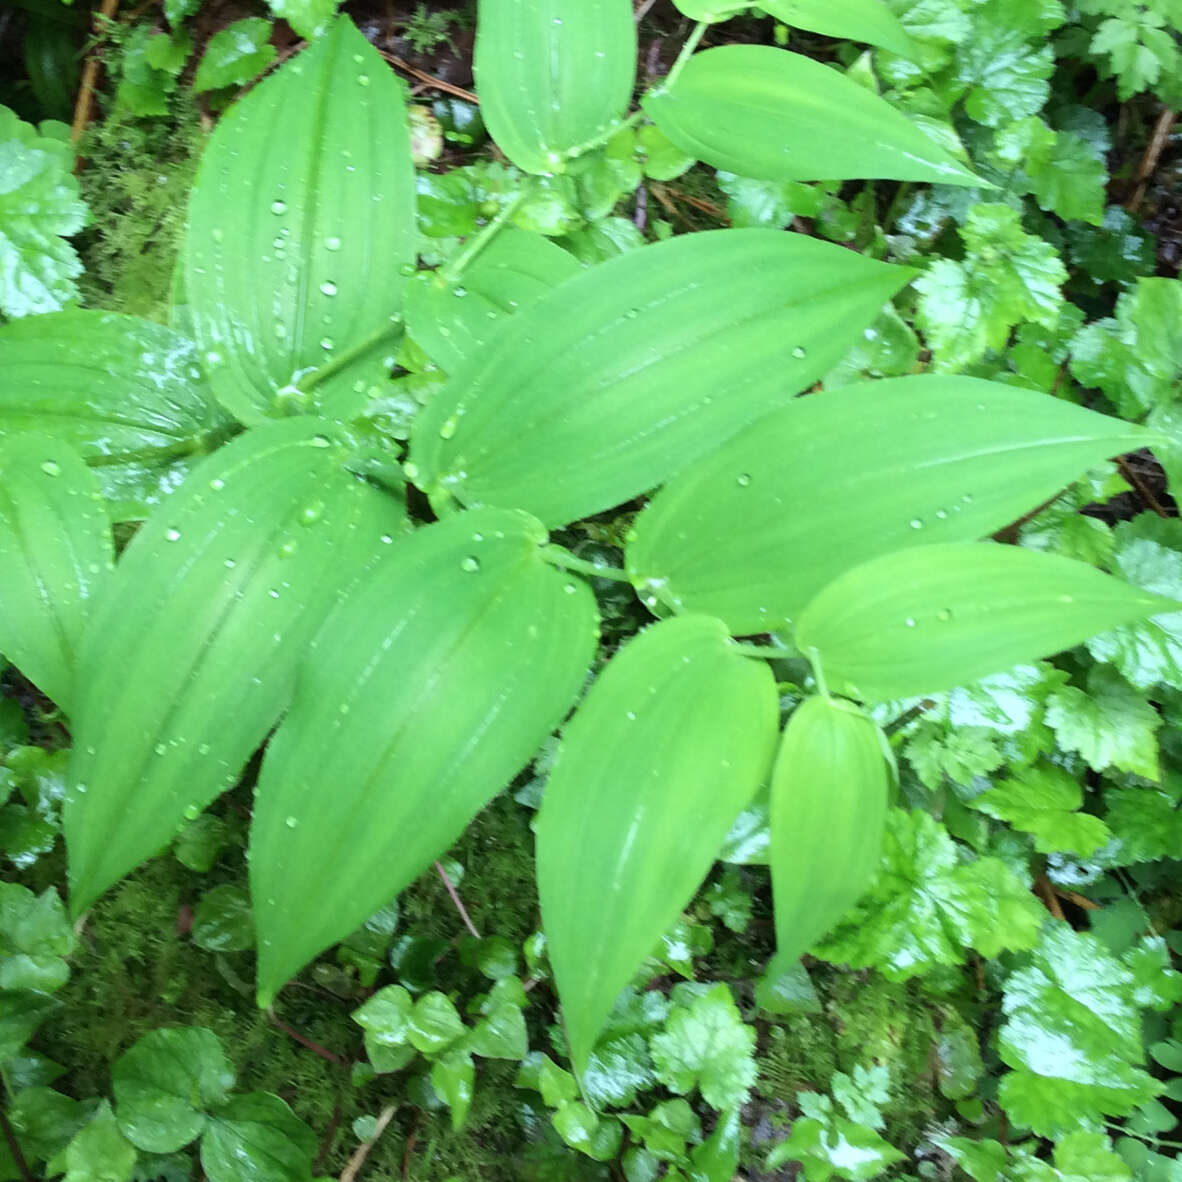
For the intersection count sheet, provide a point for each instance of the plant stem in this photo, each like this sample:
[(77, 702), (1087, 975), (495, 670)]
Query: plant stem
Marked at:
[(762, 651), (362, 1151), (1146, 1137), (455, 898), (18, 1158), (605, 135), (558, 556), (329, 369), (819, 673), (456, 266), (687, 51)]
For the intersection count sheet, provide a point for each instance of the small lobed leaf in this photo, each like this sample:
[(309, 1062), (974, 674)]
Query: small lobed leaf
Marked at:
[(235, 54)]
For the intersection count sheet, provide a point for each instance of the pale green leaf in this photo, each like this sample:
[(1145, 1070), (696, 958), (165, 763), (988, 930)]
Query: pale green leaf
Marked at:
[(35, 939), (1044, 801), (235, 54), (453, 1076), (99, 1152), (309, 18), (854, 20)]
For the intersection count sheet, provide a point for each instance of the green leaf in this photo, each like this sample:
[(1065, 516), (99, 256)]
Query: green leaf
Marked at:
[(434, 1023), (926, 907), (958, 1057), (386, 1018), (191, 658), (56, 556), (257, 1136), (1072, 1036), (552, 75), (678, 725), (1044, 801), (1062, 171), (150, 66), (1147, 822), (1139, 49), (924, 620), (35, 939), (706, 1045), (201, 841), (235, 54), (923, 459), (309, 18), (460, 630), (222, 921), (763, 112), (501, 1032), (127, 394), (454, 321), (166, 1084), (853, 20), (99, 1152), (609, 384), (20, 1015), (1007, 276), (1111, 725), (39, 208), (1156, 985), (299, 219), (45, 1120), (453, 1076), (1005, 74), (829, 803), (839, 1149)]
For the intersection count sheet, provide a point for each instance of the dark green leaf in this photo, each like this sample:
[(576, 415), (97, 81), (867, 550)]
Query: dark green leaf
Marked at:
[(222, 921), (257, 1136)]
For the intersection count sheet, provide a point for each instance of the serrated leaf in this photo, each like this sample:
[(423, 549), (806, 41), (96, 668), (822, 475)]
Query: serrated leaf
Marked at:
[(552, 74), (854, 20), (829, 803), (235, 54), (907, 462), (39, 207), (1062, 171), (454, 320), (924, 620), (1147, 821), (257, 1136), (677, 725), (166, 1084), (127, 394), (767, 113), (56, 556), (192, 656), (300, 216), (608, 385), (1044, 801), (1007, 76), (427, 690)]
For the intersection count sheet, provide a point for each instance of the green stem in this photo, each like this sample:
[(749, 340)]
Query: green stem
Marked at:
[(687, 51), (605, 135), (762, 651), (456, 266), (198, 445), (560, 557), (819, 673), (1146, 1137), (318, 377)]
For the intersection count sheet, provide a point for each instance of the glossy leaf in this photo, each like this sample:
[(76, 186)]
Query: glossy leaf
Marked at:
[(767, 113), (428, 689), (192, 655), (127, 394), (828, 809), (552, 74), (854, 20), (300, 221), (257, 1136), (925, 620), (56, 554), (454, 321), (611, 383), (672, 741), (754, 530)]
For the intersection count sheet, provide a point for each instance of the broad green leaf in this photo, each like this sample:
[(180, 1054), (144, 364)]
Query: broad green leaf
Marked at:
[(902, 463), (56, 556), (829, 804), (552, 74), (257, 1136), (99, 1152), (127, 394), (35, 939), (309, 18), (678, 726), (300, 223), (39, 207), (222, 921), (767, 113), (455, 320), (166, 1084), (711, 10), (609, 384), (45, 1120), (192, 656), (853, 20), (924, 620), (1060, 168), (429, 688), (452, 1077), (235, 54), (1004, 73)]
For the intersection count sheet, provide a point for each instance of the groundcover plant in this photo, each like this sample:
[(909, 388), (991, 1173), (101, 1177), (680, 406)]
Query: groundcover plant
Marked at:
[(366, 597)]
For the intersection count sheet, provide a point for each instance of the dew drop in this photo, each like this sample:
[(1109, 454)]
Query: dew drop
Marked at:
[(172, 535), (916, 523), (909, 622), (743, 479), (569, 588), (51, 468), (213, 357), (230, 563), (799, 353), (943, 615), (291, 822), (448, 429), (288, 549), (279, 207), (326, 343), (273, 593), (320, 441), (386, 540), (363, 79), (631, 715), (192, 812), (941, 514), (216, 233), (460, 292), (333, 243), (161, 748), (632, 313), (470, 564), (280, 330), (328, 288), (311, 513), (411, 469), (217, 484), (407, 270)]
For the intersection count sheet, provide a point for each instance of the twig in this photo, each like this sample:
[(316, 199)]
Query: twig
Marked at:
[(1158, 139), (18, 1158), (408, 1152), (305, 1041), (329, 1133), (643, 9), (429, 79), (640, 217), (90, 75), (1145, 493), (701, 204), (455, 898), (362, 1151), (1046, 892), (1078, 899)]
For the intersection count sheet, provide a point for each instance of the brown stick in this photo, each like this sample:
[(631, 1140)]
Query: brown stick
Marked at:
[(304, 1040), (1143, 490), (643, 9), (455, 898), (1046, 892), (90, 74), (429, 79), (1158, 139), (1078, 899), (362, 1151)]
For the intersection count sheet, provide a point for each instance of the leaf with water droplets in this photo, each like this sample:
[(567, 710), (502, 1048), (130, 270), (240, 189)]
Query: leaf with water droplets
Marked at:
[(902, 463), (56, 556), (126, 393), (430, 686), (764, 112), (611, 383), (257, 1136), (925, 620), (678, 725), (190, 660), (552, 74), (302, 211)]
